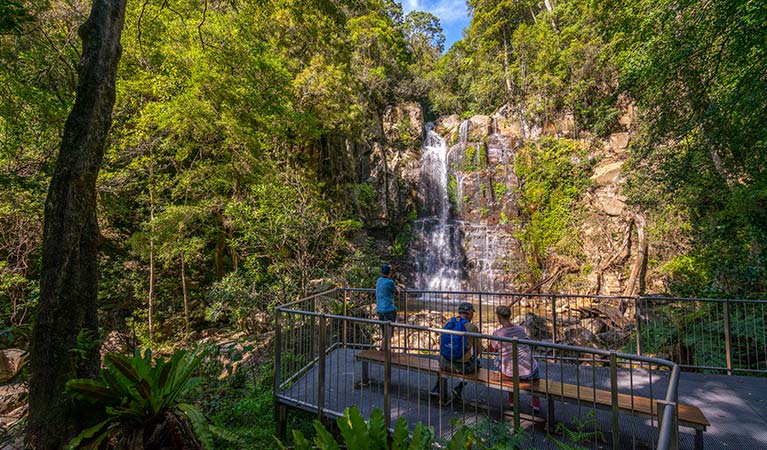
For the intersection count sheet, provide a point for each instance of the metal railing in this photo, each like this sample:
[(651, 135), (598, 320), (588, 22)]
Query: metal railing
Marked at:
[(317, 368), (711, 335)]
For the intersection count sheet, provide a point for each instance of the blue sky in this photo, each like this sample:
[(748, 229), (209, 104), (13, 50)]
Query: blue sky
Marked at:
[(452, 14)]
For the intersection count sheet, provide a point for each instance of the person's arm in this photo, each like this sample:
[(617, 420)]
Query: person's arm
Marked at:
[(475, 342)]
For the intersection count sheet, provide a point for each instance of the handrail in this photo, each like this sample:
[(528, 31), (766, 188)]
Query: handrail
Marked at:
[(551, 345), (667, 410), (596, 296)]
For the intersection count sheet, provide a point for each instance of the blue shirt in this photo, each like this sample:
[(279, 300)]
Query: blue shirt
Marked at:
[(385, 290)]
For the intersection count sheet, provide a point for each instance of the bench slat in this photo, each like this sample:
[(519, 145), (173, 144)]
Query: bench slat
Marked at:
[(688, 415)]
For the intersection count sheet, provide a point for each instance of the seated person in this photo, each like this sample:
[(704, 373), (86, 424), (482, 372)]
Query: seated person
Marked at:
[(458, 354), (528, 366)]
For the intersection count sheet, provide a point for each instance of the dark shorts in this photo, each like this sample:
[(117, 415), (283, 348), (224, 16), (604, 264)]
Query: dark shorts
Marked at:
[(462, 367), (386, 317)]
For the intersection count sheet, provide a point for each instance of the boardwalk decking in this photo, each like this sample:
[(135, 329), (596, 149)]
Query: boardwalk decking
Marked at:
[(736, 406)]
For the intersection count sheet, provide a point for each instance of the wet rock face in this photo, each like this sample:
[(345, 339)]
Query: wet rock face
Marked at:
[(483, 195)]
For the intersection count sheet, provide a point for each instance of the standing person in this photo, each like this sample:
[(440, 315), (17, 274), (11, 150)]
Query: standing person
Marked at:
[(528, 366), (386, 289), (459, 354)]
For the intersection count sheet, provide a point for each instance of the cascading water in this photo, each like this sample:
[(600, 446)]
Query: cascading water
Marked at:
[(439, 261)]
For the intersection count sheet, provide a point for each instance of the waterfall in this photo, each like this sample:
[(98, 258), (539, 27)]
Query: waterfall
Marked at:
[(439, 261)]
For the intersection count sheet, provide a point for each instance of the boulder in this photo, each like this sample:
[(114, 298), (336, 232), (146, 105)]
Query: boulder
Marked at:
[(580, 337), (614, 339), (480, 128), (447, 125), (619, 141), (11, 361), (536, 326), (593, 324), (607, 173), (610, 203)]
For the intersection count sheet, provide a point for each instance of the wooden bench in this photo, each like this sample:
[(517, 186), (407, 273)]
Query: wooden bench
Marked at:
[(689, 416)]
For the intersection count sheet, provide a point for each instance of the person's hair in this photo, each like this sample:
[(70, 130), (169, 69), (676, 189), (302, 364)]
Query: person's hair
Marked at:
[(503, 312), (386, 269)]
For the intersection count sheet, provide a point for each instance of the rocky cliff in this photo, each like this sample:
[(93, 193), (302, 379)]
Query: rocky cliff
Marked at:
[(607, 250)]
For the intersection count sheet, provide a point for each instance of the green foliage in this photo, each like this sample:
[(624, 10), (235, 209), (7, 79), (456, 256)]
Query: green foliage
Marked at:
[(242, 403), (553, 175), (234, 301), (13, 16), (452, 190), (365, 194), (139, 392), (475, 158), (402, 240), (694, 333), (290, 234), (579, 432), (499, 189), (356, 434)]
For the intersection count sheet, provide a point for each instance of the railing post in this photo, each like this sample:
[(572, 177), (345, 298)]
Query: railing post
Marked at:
[(279, 409), (669, 440), (346, 314), (321, 365), (727, 336), (554, 318), (614, 394), (480, 315), (638, 318), (404, 319), (515, 364), (387, 374)]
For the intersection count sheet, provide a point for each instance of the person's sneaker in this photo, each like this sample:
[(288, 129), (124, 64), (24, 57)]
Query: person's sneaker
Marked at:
[(536, 405), (435, 391)]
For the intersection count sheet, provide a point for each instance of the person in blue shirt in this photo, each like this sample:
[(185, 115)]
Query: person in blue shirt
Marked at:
[(386, 289)]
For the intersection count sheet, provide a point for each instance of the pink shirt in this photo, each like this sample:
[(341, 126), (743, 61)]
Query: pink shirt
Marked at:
[(527, 364)]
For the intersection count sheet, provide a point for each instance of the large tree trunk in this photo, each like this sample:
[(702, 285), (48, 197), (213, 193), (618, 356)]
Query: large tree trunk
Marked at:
[(186, 298), (68, 289), (636, 283)]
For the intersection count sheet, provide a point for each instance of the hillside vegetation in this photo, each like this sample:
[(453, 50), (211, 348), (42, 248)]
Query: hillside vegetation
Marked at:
[(248, 161)]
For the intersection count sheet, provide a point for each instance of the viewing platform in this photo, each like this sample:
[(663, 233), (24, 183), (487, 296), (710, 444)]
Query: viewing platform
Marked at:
[(330, 354)]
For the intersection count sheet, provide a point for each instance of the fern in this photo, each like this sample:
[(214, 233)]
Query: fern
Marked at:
[(356, 434), (579, 434), (141, 390)]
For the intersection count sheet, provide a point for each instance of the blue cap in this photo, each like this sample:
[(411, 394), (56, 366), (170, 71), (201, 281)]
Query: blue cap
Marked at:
[(385, 269)]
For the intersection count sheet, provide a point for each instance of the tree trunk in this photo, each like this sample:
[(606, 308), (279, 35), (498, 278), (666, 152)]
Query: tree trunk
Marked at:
[(150, 300), (506, 76), (151, 284), (186, 298), (220, 246), (69, 284), (550, 9), (638, 269)]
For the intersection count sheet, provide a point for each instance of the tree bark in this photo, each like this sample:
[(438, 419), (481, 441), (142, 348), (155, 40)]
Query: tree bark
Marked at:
[(69, 279), (506, 76), (638, 269), (150, 300), (186, 298)]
